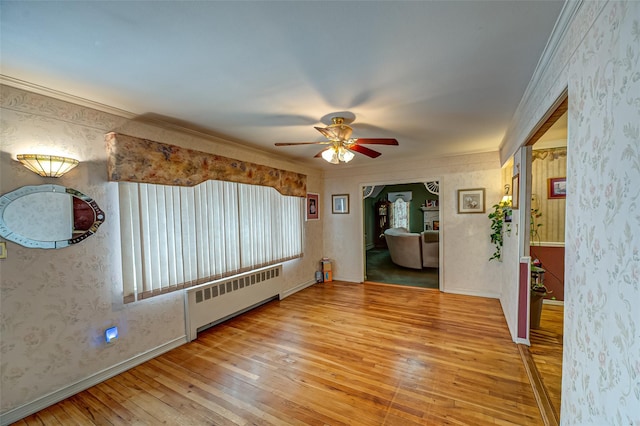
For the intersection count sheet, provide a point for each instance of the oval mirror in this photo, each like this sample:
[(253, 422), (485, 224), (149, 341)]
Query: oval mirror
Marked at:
[(48, 216)]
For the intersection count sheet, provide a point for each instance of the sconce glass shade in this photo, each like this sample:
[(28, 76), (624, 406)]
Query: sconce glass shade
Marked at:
[(345, 155), (47, 165), (330, 155), (506, 198)]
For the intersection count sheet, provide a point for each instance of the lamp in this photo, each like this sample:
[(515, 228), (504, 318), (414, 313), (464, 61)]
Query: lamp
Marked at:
[(506, 198), (337, 153), (47, 165)]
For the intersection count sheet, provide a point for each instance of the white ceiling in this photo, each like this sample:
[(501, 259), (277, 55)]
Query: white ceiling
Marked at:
[(556, 136), (443, 77)]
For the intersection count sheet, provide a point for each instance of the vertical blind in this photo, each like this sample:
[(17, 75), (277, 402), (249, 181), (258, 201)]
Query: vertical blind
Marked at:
[(177, 237)]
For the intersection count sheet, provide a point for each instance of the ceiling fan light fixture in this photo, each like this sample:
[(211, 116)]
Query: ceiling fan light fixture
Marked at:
[(345, 155), (330, 155), (341, 146), (337, 154)]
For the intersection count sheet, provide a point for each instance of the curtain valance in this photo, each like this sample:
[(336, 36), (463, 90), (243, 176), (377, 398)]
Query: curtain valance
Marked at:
[(133, 159)]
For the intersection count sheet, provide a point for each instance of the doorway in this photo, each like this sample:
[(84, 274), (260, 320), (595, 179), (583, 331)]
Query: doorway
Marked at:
[(412, 258), (547, 204)]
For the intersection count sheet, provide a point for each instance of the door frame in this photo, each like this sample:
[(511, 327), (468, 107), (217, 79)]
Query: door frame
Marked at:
[(440, 213)]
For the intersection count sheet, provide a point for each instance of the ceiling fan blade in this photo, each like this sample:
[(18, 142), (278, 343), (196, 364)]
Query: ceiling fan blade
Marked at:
[(377, 141), (319, 155), (364, 150), (301, 143)]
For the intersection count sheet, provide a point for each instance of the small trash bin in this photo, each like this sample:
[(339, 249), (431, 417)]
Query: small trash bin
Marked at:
[(327, 274)]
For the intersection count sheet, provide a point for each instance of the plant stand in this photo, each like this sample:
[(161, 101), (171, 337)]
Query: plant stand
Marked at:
[(535, 310), (538, 293)]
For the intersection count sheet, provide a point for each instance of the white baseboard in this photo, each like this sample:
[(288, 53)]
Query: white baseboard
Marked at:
[(472, 293), (348, 279), (553, 302), (296, 289), (23, 411)]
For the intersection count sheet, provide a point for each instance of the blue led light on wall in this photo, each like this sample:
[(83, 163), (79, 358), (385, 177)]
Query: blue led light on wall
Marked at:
[(111, 334)]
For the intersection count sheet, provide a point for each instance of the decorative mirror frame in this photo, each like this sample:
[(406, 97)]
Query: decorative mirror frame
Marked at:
[(9, 197)]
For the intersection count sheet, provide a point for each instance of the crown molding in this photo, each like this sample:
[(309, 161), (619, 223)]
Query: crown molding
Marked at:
[(52, 93), (65, 97), (558, 34)]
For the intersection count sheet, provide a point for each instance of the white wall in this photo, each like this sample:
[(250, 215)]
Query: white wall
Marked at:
[(598, 59), (466, 243), (56, 304)]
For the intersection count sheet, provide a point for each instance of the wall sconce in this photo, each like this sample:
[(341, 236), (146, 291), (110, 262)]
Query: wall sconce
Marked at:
[(47, 165), (506, 198)]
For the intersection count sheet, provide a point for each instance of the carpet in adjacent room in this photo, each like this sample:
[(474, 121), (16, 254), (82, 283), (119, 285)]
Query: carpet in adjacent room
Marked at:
[(381, 269)]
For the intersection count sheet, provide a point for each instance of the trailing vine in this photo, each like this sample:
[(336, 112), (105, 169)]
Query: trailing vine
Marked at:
[(497, 221), (534, 225)]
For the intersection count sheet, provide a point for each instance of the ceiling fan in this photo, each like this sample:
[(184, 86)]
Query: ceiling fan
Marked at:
[(341, 144)]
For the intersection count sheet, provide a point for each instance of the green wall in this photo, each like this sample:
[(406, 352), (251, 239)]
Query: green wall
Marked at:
[(420, 195), (369, 218)]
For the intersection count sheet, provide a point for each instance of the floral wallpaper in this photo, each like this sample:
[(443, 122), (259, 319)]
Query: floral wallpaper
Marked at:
[(601, 378), (598, 60), (56, 304)]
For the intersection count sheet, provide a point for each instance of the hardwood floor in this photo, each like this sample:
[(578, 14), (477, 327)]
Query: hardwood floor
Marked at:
[(333, 354), (546, 350)]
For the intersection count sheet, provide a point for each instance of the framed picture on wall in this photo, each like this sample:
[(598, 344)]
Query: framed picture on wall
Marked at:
[(340, 204), (471, 200), (557, 187), (313, 206), (515, 192)]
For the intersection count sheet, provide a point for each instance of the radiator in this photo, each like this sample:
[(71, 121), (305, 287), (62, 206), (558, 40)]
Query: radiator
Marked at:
[(209, 304)]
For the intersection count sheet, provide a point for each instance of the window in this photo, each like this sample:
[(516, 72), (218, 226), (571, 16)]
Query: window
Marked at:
[(400, 214), (177, 237)]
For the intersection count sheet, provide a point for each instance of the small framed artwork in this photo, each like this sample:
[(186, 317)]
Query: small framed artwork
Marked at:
[(471, 200), (515, 192), (557, 187), (340, 204), (313, 207), (436, 225)]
